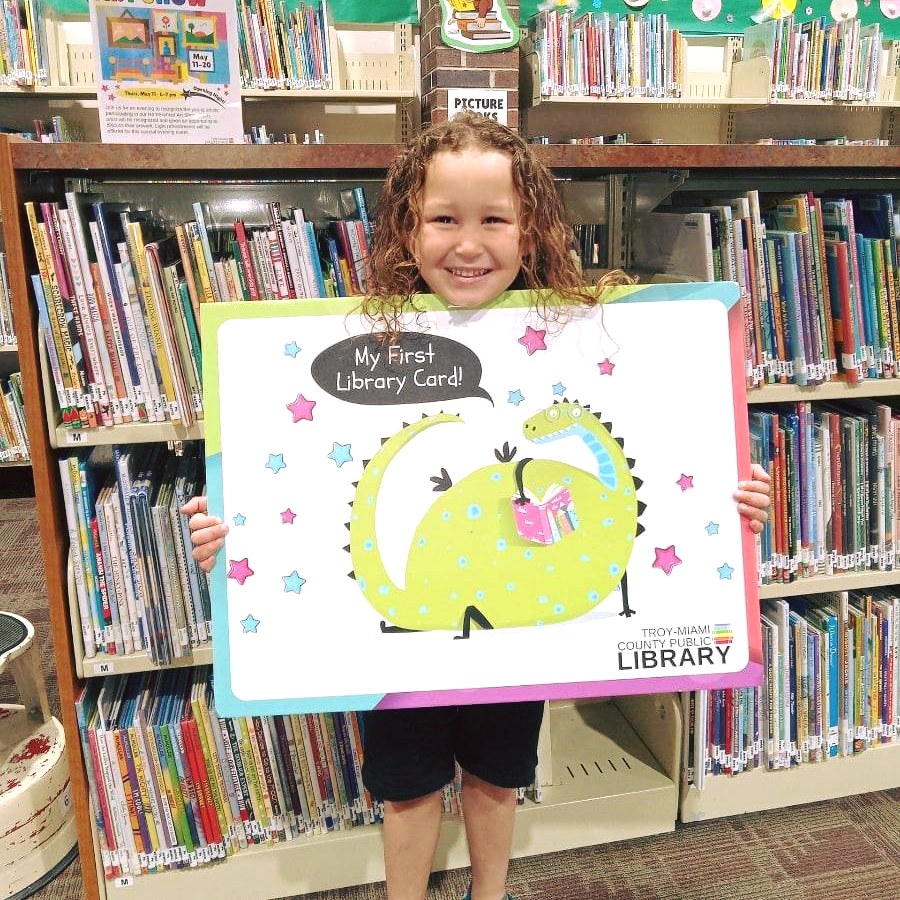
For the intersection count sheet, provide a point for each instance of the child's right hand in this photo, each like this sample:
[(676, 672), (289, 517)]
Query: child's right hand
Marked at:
[(207, 532)]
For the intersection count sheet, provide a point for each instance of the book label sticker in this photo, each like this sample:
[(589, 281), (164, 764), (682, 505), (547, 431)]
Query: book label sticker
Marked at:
[(525, 509)]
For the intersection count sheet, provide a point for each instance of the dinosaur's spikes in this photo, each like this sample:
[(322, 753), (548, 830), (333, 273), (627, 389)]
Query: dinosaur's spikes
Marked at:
[(406, 424), (639, 530), (638, 482), (384, 440), (354, 484), (347, 548), (347, 525), (556, 402), (607, 425), (641, 507), (630, 462), (424, 415), (367, 461), (351, 575), (620, 442)]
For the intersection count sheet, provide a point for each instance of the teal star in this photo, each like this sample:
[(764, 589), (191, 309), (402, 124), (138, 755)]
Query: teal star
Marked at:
[(340, 454), (712, 529), (515, 397), (291, 349), (559, 389), (250, 624), (239, 519), (293, 582), (725, 572), (276, 462)]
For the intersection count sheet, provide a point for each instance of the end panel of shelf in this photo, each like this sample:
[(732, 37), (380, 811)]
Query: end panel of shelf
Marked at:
[(876, 769)]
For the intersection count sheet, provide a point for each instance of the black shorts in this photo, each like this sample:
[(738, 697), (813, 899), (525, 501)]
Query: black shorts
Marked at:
[(409, 753)]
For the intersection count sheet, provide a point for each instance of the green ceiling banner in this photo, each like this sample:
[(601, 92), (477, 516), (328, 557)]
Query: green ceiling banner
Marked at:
[(341, 10), (733, 16)]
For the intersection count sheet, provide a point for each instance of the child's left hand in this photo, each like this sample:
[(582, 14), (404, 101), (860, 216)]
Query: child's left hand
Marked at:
[(753, 498)]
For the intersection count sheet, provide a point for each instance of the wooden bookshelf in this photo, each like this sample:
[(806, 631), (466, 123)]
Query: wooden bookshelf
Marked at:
[(575, 812), (830, 390), (850, 581)]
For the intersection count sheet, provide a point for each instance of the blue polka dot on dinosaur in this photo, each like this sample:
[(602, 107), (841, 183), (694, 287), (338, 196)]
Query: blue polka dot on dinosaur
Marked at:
[(467, 564)]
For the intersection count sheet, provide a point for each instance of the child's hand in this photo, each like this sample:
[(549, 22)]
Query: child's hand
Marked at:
[(753, 498), (207, 532)]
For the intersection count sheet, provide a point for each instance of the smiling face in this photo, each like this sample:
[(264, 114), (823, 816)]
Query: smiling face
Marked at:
[(468, 245)]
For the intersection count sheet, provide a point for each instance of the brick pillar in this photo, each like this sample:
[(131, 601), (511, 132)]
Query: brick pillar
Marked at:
[(445, 67)]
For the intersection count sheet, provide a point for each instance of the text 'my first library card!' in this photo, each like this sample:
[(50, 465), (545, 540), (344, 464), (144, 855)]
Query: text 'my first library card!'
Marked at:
[(494, 507)]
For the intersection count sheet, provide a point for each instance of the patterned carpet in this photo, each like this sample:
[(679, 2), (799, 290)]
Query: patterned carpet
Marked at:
[(848, 847)]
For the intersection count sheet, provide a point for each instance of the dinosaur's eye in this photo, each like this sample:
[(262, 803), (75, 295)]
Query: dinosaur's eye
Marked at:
[(553, 414), (575, 412)]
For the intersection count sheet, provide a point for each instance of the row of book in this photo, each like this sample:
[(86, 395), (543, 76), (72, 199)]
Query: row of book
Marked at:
[(174, 785), (7, 331), (831, 689), (119, 294), (57, 130), (260, 134), (13, 434), (283, 47), (819, 277), (23, 51), (607, 55), (136, 584), (821, 59), (834, 471)]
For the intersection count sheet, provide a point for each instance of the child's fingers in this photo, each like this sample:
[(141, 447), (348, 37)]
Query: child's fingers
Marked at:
[(194, 505), (758, 473), (753, 498)]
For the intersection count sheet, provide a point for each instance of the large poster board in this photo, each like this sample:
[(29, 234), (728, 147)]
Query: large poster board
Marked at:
[(167, 73), (526, 509)]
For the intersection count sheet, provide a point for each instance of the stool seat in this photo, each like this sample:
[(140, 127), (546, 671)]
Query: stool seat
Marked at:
[(16, 635)]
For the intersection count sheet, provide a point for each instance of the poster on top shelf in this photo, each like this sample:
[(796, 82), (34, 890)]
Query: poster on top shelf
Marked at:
[(167, 72), (494, 507)]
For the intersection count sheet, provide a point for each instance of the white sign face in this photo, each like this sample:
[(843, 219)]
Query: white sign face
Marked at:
[(472, 480), (489, 102), (167, 73)]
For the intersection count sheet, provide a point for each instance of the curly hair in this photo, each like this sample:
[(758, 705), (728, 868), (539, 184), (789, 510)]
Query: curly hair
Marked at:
[(547, 240)]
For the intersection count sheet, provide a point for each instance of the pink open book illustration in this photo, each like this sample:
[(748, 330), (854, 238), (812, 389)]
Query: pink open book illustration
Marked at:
[(545, 521)]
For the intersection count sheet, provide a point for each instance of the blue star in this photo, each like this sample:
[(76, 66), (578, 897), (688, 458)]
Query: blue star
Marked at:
[(340, 454), (559, 389), (250, 624), (291, 349), (293, 582), (725, 572), (515, 397), (276, 462), (239, 519), (712, 529)]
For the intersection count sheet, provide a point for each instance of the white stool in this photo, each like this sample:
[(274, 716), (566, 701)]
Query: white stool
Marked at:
[(36, 818)]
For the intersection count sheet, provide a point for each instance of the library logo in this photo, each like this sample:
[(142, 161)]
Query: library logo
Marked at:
[(676, 647)]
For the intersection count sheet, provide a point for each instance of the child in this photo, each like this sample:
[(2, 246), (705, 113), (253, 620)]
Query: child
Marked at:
[(467, 212)]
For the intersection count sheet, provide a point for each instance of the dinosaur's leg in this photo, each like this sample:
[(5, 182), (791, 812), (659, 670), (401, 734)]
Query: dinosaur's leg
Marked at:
[(472, 614), (395, 629), (627, 611)]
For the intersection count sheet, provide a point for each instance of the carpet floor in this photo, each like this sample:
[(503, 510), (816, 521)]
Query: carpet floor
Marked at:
[(848, 847)]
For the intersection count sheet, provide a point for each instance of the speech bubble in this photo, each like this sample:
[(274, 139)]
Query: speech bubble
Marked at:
[(417, 368)]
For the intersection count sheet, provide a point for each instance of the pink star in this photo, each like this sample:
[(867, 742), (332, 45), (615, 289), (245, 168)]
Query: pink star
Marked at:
[(533, 340), (686, 482), (302, 408), (666, 559), (239, 570), (606, 367), (288, 516)]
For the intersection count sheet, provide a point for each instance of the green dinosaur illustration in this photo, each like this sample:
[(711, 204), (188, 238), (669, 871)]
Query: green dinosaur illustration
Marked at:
[(467, 562)]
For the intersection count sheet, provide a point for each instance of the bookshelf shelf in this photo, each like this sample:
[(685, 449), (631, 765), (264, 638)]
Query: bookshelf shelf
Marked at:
[(852, 581), (606, 786), (9, 350), (15, 464), (830, 390), (104, 664), (142, 433), (875, 769)]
